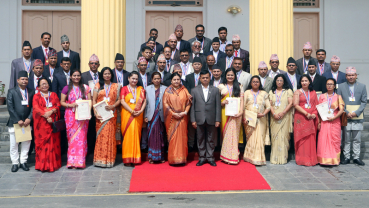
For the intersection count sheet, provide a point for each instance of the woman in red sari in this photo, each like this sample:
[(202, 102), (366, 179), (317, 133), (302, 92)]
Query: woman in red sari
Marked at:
[(46, 110), (305, 122), (176, 104)]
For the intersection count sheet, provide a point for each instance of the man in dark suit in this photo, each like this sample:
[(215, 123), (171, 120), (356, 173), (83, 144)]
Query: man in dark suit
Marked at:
[(19, 103), (196, 46), (225, 63), (147, 54), (216, 52), (319, 82), (168, 59), (50, 69), (161, 63), (205, 42), (181, 44), (24, 63), (172, 43), (144, 79), (323, 67), (60, 80), (158, 48), (206, 117), (66, 52), (239, 52), (292, 77), (120, 74), (35, 75), (302, 63), (42, 51), (176, 69), (193, 79), (222, 33), (151, 44), (339, 76), (210, 62), (216, 79)]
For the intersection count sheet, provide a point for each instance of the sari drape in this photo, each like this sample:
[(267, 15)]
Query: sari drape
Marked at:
[(305, 130), (231, 131), (76, 133), (254, 150), (47, 143), (176, 101), (329, 139), (105, 147), (281, 129), (155, 132), (131, 126)]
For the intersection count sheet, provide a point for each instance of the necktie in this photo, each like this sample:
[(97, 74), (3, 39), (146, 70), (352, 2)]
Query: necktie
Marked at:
[(95, 76), (46, 57), (168, 65), (236, 53)]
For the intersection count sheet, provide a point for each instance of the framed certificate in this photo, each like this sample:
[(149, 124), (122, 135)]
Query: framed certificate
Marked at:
[(233, 106), (100, 109), (83, 110)]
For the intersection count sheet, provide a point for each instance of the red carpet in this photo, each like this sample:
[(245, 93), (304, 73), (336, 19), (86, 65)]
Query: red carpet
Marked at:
[(164, 178)]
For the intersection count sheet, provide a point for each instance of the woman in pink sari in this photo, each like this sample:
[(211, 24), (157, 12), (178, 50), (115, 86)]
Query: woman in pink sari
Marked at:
[(76, 129), (329, 139)]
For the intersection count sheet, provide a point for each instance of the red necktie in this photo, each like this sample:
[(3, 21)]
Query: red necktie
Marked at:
[(236, 53), (46, 57)]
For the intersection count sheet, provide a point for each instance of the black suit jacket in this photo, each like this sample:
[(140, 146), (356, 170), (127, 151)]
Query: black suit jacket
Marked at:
[(184, 45), (125, 77), (159, 47), (74, 57), (59, 82), (245, 56), (140, 82), (190, 79), (38, 53), (31, 81), (319, 83), (222, 64), (171, 63), (220, 55), (86, 76), (17, 111), (298, 77), (46, 72), (166, 74), (212, 81)]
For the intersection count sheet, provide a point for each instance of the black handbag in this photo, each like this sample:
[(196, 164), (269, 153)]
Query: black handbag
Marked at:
[(58, 126)]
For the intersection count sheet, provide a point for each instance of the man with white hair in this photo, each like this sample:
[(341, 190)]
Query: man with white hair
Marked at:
[(239, 52), (196, 48), (355, 98)]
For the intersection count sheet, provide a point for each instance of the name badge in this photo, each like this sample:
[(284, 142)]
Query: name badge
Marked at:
[(107, 99), (256, 106), (277, 104), (132, 100), (336, 86), (79, 98), (24, 102), (307, 106), (202, 51), (352, 99), (51, 78), (36, 91), (50, 105)]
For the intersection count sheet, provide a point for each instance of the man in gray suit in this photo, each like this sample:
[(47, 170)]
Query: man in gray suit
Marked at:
[(146, 52), (274, 66), (354, 95), (266, 81), (206, 117), (205, 42), (21, 64), (322, 66), (302, 63)]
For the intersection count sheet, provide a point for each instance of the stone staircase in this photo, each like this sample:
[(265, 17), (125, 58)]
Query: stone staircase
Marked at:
[(4, 138)]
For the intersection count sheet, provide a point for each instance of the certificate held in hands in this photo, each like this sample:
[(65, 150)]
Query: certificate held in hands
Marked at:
[(100, 109), (233, 106), (83, 110)]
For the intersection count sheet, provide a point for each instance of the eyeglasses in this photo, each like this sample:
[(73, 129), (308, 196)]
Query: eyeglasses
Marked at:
[(290, 65), (228, 50), (330, 84), (197, 46), (94, 63), (184, 55), (274, 62)]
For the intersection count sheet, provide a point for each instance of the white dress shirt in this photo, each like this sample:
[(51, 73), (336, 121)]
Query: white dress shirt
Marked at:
[(205, 91), (67, 75), (35, 81), (262, 79), (293, 81), (272, 74), (215, 54), (238, 53), (312, 76), (27, 63), (45, 54), (185, 66), (66, 54)]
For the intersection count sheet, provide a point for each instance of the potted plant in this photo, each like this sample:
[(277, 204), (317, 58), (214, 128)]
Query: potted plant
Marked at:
[(2, 93)]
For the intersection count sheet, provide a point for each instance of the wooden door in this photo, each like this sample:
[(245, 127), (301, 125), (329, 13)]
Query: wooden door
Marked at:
[(165, 22), (34, 24), (306, 28), (57, 24), (68, 23)]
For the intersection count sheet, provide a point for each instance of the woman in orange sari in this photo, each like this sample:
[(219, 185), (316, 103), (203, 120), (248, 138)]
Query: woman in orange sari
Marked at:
[(105, 147), (133, 100), (176, 104)]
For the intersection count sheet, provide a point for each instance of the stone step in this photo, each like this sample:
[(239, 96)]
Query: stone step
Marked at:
[(5, 158), (3, 108), (4, 146), (4, 136)]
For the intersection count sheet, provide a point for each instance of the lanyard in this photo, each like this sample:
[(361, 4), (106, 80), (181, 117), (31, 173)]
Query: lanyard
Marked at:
[(329, 101), (48, 99), (135, 90), (178, 45), (305, 65), (119, 76), (292, 80), (27, 67), (278, 98), (51, 71), (168, 65), (46, 53), (107, 91), (68, 53), (229, 62), (184, 72), (352, 92), (334, 77), (238, 75), (321, 68), (211, 74), (196, 79), (172, 56), (307, 97), (148, 64), (75, 92), (255, 96), (223, 45), (312, 78), (202, 43), (263, 83), (144, 80), (25, 95), (230, 90), (154, 50), (67, 77), (216, 83), (93, 77)]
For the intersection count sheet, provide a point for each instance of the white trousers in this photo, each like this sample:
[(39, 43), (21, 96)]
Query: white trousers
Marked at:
[(14, 154)]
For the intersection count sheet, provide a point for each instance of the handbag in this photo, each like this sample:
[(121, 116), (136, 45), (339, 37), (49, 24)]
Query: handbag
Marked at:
[(344, 119), (58, 126)]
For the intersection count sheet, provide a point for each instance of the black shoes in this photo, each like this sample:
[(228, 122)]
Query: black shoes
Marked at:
[(24, 167), (212, 163), (345, 161), (359, 162), (15, 168), (200, 163)]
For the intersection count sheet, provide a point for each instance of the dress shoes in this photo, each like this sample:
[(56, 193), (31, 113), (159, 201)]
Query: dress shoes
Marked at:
[(15, 168), (345, 161), (200, 163), (359, 162), (24, 167), (212, 163)]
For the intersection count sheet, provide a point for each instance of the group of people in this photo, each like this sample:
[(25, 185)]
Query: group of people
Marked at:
[(176, 96)]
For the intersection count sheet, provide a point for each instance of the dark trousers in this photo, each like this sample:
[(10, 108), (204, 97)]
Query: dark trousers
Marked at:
[(63, 137), (91, 134), (206, 141)]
